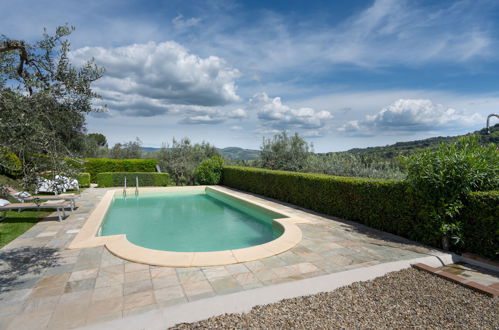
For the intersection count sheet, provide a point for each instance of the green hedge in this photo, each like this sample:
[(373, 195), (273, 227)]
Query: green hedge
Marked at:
[(84, 180), (481, 223), (116, 179), (377, 203), (100, 165)]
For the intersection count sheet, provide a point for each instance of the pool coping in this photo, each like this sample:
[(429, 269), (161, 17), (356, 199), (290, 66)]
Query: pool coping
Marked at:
[(121, 247)]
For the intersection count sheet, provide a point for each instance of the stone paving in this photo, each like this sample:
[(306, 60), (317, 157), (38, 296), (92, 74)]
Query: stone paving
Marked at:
[(473, 273), (43, 285)]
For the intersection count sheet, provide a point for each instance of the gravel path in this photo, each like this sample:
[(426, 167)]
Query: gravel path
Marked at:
[(403, 299)]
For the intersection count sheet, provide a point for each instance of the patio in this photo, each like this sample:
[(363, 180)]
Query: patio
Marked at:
[(43, 285)]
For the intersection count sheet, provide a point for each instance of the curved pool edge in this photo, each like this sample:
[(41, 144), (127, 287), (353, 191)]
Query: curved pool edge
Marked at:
[(121, 247)]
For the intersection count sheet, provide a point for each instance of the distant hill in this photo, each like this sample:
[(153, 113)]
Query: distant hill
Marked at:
[(237, 153), (405, 148), (234, 153)]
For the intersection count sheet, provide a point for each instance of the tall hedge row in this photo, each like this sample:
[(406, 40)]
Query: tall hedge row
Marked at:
[(100, 165), (481, 223), (381, 204), (116, 179)]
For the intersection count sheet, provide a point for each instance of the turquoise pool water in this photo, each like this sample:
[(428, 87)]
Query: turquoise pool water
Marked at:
[(190, 221)]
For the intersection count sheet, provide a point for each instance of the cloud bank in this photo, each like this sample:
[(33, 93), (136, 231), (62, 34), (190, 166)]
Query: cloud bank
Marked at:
[(156, 78), (272, 113), (410, 115)]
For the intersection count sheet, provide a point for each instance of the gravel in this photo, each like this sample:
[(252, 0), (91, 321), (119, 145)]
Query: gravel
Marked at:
[(403, 299)]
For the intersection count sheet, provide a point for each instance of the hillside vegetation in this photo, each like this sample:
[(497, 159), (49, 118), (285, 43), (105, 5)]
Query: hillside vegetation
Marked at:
[(410, 147)]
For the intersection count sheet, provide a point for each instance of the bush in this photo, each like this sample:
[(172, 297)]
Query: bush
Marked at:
[(210, 170), (445, 176), (480, 219), (84, 180), (116, 179), (100, 165), (379, 203), (10, 164), (387, 205)]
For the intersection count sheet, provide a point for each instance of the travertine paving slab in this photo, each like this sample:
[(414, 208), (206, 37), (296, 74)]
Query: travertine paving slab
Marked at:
[(43, 284)]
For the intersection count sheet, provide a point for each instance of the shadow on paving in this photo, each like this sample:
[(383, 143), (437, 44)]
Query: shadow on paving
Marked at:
[(16, 263)]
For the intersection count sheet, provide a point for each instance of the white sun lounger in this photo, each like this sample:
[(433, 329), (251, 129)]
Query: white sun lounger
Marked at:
[(23, 197), (59, 205)]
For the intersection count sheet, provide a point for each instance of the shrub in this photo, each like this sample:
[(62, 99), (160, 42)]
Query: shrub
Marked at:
[(100, 165), (480, 219), (181, 158), (387, 205), (445, 176), (84, 180), (116, 179), (10, 164), (210, 170), (284, 152), (379, 203)]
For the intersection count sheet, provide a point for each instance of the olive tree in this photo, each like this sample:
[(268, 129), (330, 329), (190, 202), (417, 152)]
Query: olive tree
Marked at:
[(283, 152), (181, 158), (43, 102)]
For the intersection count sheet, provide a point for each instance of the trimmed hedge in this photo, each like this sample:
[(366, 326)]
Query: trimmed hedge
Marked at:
[(84, 180), (481, 223), (382, 204), (100, 165), (116, 179)]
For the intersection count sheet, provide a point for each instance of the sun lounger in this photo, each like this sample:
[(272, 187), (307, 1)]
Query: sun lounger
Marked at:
[(24, 196), (59, 205)]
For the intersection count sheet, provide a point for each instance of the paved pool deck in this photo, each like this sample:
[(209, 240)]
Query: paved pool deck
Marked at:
[(43, 285)]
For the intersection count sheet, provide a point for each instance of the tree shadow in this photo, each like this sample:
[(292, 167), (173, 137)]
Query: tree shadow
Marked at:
[(18, 262)]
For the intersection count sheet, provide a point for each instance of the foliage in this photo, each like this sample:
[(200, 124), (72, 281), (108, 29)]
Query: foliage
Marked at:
[(94, 146), (412, 147), (84, 180), (17, 223), (146, 179), (43, 102), (99, 139), (10, 164), (209, 170), (284, 152), (128, 150), (444, 177), (239, 154), (181, 158), (480, 218), (7, 181), (99, 165), (382, 204), (345, 164)]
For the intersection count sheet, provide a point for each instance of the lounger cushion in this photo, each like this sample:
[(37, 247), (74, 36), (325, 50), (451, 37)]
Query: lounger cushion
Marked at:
[(4, 202), (23, 194), (55, 201)]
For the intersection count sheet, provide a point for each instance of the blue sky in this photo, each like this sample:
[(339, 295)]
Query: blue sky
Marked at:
[(341, 73)]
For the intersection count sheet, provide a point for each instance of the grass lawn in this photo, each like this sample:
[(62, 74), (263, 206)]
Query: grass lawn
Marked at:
[(16, 223)]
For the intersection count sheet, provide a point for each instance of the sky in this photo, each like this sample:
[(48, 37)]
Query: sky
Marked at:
[(342, 74)]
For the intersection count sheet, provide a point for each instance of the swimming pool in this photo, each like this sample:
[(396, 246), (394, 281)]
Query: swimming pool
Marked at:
[(188, 227), (190, 221)]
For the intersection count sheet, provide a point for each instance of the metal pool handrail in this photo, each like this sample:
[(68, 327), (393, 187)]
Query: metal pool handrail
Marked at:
[(136, 186), (124, 188)]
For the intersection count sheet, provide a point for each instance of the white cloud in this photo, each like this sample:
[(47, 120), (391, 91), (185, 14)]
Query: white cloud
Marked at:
[(237, 114), (276, 115), (180, 23), (236, 128), (204, 119), (155, 78), (410, 115)]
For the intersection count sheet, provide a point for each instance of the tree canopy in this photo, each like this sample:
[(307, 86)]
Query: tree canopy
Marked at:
[(43, 102)]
